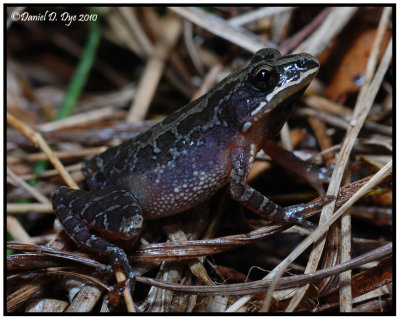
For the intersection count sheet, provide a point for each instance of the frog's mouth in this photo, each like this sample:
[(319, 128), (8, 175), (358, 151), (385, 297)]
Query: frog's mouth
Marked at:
[(286, 89)]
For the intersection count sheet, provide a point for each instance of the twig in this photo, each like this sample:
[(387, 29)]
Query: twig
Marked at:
[(327, 105), (22, 294), (285, 137), (175, 233)]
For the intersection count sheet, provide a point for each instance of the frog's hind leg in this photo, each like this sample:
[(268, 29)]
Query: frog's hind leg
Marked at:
[(116, 215)]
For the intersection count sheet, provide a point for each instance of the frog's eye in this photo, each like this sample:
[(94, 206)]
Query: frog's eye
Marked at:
[(264, 78)]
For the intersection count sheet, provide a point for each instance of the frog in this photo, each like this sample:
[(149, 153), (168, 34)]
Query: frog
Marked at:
[(185, 159)]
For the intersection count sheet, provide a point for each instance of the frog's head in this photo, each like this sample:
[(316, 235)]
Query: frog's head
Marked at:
[(272, 84)]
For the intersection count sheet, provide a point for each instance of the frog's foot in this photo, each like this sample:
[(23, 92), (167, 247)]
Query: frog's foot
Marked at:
[(295, 213), (260, 204), (119, 258), (318, 176)]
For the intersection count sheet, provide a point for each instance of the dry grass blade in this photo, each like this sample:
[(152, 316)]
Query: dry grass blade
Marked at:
[(21, 295), (322, 229), (55, 253), (345, 255), (17, 231), (121, 34), (35, 193), (345, 293), (312, 237), (86, 299), (360, 113), (51, 172), (170, 30), (257, 14), (37, 139), (376, 277), (296, 39), (59, 155), (224, 29), (332, 25), (230, 289), (22, 208), (79, 119), (137, 30), (191, 47), (130, 305), (373, 59), (262, 285)]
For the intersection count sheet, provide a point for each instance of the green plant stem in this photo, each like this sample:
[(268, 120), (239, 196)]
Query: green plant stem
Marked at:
[(80, 76)]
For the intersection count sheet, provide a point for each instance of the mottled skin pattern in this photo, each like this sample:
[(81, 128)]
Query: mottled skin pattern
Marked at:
[(186, 158)]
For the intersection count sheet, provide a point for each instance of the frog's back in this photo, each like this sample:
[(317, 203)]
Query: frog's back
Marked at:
[(176, 164)]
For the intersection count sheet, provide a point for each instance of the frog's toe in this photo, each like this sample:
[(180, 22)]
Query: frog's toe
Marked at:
[(295, 214), (325, 174), (318, 176), (119, 258)]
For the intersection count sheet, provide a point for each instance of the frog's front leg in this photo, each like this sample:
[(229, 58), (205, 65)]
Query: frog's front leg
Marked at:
[(115, 215), (241, 163)]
